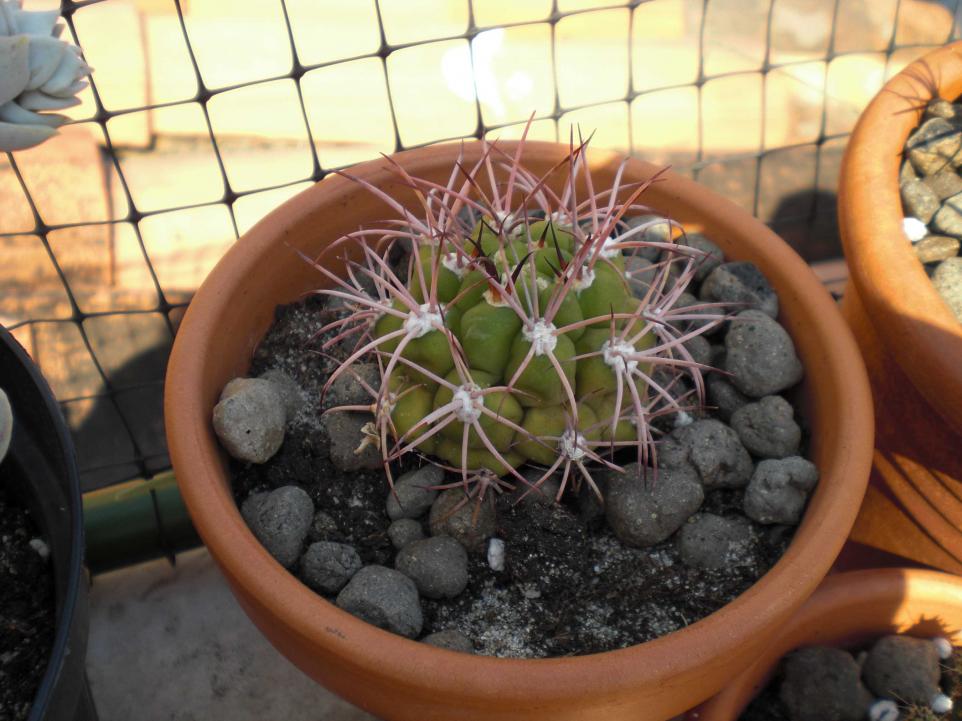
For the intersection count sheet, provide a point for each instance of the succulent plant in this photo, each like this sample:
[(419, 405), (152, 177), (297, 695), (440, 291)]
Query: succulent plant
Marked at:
[(517, 329), (38, 71)]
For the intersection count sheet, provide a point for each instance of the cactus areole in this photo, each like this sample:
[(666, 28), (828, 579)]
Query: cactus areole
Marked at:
[(514, 331)]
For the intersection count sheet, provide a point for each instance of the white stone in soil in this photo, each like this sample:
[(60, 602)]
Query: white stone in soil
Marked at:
[(914, 229), (249, 419), (496, 554), (884, 710)]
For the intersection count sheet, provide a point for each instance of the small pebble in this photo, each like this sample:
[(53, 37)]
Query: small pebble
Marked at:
[(450, 639), (700, 349), (496, 554), (351, 445), (948, 218), (903, 668), (935, 146), (919, 200), (713, 542), (778, 490), (412, 494), (437, 565), (936, 248), (741, 285), (709, 257), (914, 229), (657, 232), (940, 108), (760, 355), (249, 419), (280, 520), (713, 450), (404, 531), (884, 710), (945, 184), (943, 647), (41, 547), (948, 282), (327, 567), (640, 273), (385, 598), (291, 394), (823, 684), (348, 388), (464, 519), (724, 396), (645, 510), (767, 428)]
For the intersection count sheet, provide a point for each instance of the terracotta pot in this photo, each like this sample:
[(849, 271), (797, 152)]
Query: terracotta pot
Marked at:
[(911, 342), (400, 679), (847, 610)]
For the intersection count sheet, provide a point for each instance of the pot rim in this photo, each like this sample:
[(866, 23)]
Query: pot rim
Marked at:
[(914, 323), (833, 616), (659, 663)]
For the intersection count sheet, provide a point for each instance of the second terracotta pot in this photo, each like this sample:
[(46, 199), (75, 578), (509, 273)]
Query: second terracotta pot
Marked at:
[(403, 680), (847, 610), (911, 341)]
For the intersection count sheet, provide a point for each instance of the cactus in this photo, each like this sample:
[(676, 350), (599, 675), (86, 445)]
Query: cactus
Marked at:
[(515, 335)]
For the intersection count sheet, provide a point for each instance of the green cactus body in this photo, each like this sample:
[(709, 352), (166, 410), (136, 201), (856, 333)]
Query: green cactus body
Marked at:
[(495, 342)]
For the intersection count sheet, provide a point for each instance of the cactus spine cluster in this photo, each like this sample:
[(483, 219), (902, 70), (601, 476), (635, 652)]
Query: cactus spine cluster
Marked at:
[(515, 333)]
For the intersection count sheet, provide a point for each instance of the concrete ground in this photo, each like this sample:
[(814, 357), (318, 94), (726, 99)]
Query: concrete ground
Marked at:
[(171, 644)]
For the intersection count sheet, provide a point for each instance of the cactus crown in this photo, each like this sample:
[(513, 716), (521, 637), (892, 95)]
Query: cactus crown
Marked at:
[(518, 328)]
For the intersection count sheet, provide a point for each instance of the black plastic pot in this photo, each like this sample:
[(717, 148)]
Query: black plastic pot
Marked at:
[(43, 471)]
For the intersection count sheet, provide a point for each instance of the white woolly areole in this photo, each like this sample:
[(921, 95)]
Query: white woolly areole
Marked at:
[(585, 281), (542, 337), (573, 445), (943, 646), (914, 229), (883, 710), (496, 554), (941, 703), (422, 321), (494, 297), (559, 217), (453, 263), (619, 355), (541, 282), (607, 247), (468, 404)]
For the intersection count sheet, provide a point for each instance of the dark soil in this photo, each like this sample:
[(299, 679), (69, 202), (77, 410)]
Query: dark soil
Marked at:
[(27, 609), (767, 706), (569, 586)]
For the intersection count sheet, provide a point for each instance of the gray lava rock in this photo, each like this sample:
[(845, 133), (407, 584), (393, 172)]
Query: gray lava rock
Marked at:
[(767, 427), (907, 172), (412, 495), (327, 567), (712, 542), (778, 490), (709, 257), (948, 283), (944, 184), (643, 511), (936, 248), (469, 523), (291, 394), (404, 531), (903, 668), (385, 598), (280, 520), (823, 684), (249, 420), (713, 450), (640, 272), (437, 565), (935, 146), (686, 300), (657, 233), (347, 389), (724, 396), (348, 433), (948, 219), (323, 527), (940, 108), (919, 200), (450, 639), (760, 355), (740, 283), (700, 349)]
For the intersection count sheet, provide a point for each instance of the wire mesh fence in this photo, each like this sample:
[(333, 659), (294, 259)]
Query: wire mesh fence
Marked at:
[(204, 114)]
